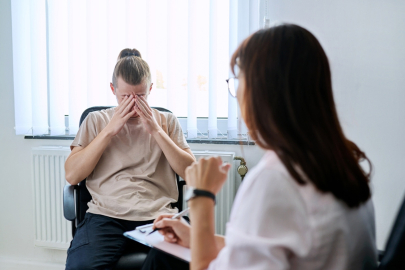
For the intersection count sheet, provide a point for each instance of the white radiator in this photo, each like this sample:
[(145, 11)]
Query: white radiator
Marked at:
[(52, 230), (227, 194)]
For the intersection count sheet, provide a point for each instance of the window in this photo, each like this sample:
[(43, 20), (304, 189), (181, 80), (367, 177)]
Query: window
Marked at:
[(64, 53)]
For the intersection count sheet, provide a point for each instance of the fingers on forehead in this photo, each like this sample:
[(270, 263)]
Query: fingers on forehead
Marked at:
[(143, 101), (140, 103), (128, 100)]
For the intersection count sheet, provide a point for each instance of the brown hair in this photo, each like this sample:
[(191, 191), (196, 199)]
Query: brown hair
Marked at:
[(288, 107), (131, 68)]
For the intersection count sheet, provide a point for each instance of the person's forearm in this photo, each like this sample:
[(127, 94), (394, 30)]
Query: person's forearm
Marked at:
[(204, 243), (79, 165), (178, 159)]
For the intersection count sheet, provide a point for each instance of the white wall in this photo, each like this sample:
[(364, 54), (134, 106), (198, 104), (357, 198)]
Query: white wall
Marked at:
[(17, 250), (365, 43)]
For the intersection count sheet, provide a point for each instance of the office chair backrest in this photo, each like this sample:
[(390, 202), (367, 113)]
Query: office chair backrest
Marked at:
[(394, 255), (82, 194)]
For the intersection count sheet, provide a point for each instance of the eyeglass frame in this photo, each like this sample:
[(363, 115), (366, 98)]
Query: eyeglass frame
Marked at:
[(229, 90)]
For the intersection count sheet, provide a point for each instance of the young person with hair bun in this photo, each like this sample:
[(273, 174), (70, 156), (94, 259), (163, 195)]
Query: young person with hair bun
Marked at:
[(307, 204), (129, 155)]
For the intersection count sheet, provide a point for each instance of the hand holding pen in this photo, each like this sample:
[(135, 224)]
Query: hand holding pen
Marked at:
[(176, 216), (173, 228)]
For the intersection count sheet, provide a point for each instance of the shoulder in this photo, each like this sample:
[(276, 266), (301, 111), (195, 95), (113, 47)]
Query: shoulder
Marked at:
[(101, 114), (164, 114), (160, 113), (272, 184), (165, 117), (99, 118), (271, 176)]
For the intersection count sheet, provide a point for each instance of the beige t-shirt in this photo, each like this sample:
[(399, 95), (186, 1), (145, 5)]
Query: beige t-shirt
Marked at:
[(133, 179)]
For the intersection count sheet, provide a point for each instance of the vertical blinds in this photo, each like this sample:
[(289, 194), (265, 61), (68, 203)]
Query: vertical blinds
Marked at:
[(64, 53)]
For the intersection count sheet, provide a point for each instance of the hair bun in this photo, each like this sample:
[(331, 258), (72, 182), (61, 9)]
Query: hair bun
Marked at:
[(129, 52)]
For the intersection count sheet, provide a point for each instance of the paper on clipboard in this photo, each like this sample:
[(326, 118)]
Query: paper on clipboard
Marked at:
[(156, 240)]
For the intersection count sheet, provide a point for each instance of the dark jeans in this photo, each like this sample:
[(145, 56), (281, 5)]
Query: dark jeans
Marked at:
[(99, 242), (159, 260)]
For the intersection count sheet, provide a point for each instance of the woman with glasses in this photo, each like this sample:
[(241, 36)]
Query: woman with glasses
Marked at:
[(307, 204)]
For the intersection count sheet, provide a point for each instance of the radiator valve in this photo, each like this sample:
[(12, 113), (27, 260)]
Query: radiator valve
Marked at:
[(242, 168)]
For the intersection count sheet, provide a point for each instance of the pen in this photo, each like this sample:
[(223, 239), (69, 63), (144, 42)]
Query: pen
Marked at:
[(179, 215)]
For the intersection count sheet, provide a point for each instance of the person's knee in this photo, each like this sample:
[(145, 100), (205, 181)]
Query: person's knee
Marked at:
[(78, 261)]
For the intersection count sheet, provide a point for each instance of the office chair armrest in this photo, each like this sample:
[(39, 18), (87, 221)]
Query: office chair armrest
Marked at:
[(69, 202)]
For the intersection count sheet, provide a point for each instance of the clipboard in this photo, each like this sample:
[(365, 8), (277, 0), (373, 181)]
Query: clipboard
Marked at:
[(156, 240)]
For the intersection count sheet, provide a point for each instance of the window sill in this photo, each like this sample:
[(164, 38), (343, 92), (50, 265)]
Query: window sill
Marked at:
[(196, 141)]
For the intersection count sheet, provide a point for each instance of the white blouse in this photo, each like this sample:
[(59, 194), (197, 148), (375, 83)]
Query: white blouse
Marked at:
[(276, 223)]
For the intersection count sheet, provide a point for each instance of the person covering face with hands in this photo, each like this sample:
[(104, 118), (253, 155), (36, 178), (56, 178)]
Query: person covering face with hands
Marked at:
[(129, 155)]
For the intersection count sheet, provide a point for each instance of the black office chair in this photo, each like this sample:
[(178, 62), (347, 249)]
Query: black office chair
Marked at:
[(393, 258), (75, 199)]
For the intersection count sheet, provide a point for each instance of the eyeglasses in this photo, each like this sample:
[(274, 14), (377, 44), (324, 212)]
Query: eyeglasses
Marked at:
[(233, 84)]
